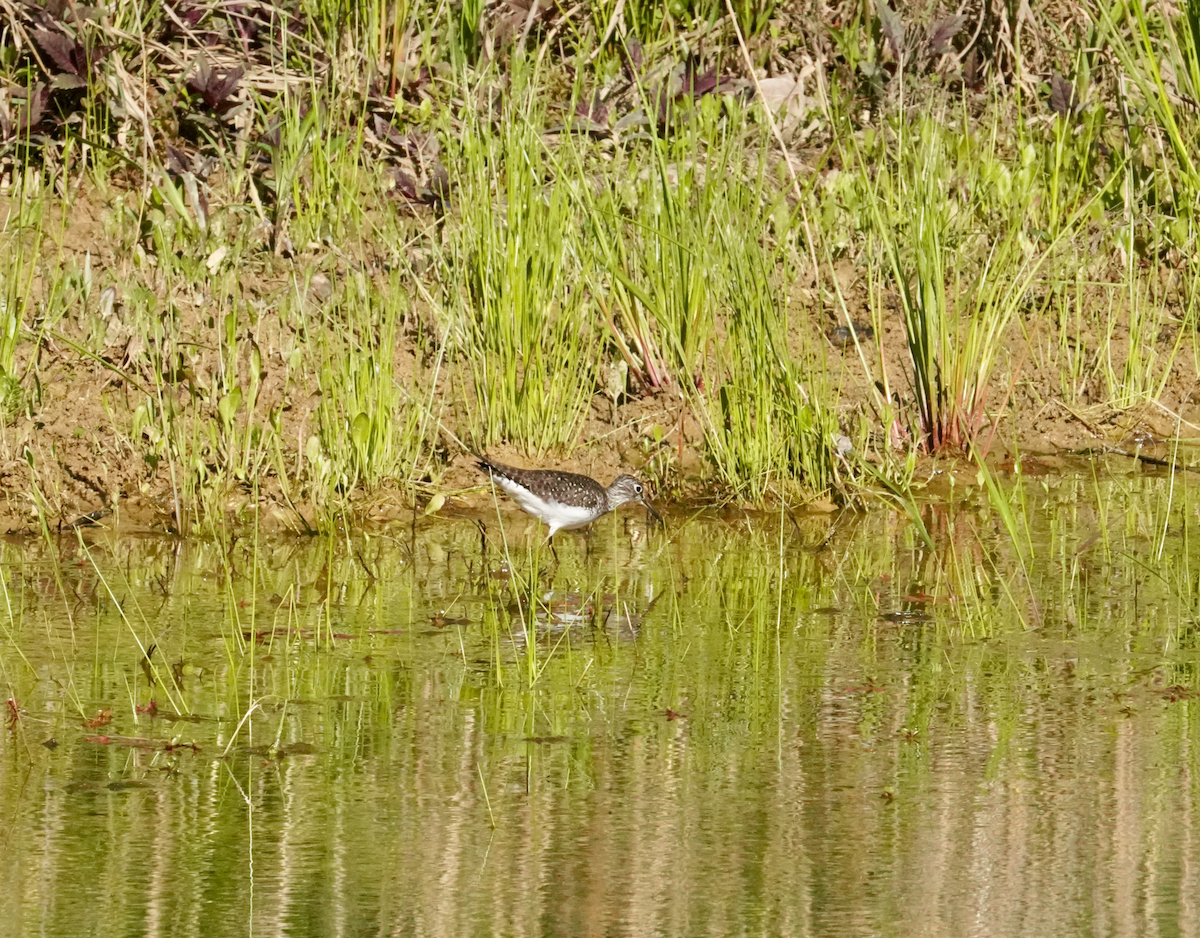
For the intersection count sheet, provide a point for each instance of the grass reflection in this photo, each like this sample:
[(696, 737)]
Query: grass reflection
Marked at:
[(745, 722)]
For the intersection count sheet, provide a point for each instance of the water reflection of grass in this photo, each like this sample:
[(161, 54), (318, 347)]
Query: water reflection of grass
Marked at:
[(372, 708)]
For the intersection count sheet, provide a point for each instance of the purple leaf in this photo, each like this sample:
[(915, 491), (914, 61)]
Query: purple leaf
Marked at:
[(943, 32), (386, 132), (58, 10), (406, 185), (1063, 99), (35, 109), (214, 89), (177, 161), (61, 49), (417, 80), (192, 15), (664, 103), (220, 90), (633, 52), (273, 135), (973, 70), (418, 146), (200, 76), (892, 28), (439, 185), (700, 85), (595, 111), (79, 13), (65, 82)]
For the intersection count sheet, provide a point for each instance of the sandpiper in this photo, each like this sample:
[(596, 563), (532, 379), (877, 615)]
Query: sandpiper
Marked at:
[(564, 500)]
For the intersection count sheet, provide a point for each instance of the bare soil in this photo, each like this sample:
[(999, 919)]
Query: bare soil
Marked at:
[(71, 453)]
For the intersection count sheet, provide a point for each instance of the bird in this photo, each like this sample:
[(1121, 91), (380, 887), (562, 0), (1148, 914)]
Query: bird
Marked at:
[(564, 500)]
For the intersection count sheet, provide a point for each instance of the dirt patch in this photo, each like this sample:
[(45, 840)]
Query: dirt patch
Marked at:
[(86, 445), (1032, 404)]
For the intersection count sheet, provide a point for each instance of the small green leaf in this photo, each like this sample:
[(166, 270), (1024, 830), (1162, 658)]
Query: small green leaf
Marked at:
[(227, 406), (360, 431), (312, 449)]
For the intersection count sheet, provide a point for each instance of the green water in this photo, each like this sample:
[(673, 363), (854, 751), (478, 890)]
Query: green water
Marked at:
[(741, 725)]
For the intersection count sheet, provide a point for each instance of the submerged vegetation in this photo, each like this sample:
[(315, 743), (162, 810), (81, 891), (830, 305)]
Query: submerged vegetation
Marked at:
[(368, 734), (291, 257)]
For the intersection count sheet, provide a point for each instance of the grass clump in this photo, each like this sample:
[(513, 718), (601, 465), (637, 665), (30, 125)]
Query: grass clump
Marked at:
[(525, 328), (300, 252)]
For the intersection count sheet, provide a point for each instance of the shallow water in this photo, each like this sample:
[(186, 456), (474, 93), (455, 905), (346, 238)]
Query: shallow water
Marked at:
[(743, 724)]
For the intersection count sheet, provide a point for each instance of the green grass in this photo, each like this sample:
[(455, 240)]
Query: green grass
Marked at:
[(512, 279), (403, 226)]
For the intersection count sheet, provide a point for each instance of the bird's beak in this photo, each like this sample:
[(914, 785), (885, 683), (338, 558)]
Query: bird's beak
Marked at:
[(650, 508)]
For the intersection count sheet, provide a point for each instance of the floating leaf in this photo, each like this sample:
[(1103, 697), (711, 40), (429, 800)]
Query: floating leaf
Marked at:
[(102, 718)]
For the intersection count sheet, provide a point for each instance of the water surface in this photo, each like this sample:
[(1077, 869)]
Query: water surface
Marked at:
[(745, 724)]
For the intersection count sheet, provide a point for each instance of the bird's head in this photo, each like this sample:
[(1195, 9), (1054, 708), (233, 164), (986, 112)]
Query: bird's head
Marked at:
[(628, 489)]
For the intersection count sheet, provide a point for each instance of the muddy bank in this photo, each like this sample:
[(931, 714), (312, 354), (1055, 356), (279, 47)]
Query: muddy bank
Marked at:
[(80, 443)]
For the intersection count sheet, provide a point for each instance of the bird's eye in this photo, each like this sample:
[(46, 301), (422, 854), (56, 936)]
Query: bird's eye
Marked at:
[(638, 489)]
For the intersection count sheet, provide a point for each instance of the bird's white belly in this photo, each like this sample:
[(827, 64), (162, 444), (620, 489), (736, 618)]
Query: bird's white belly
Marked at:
[(568, 517), (557, 515)]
